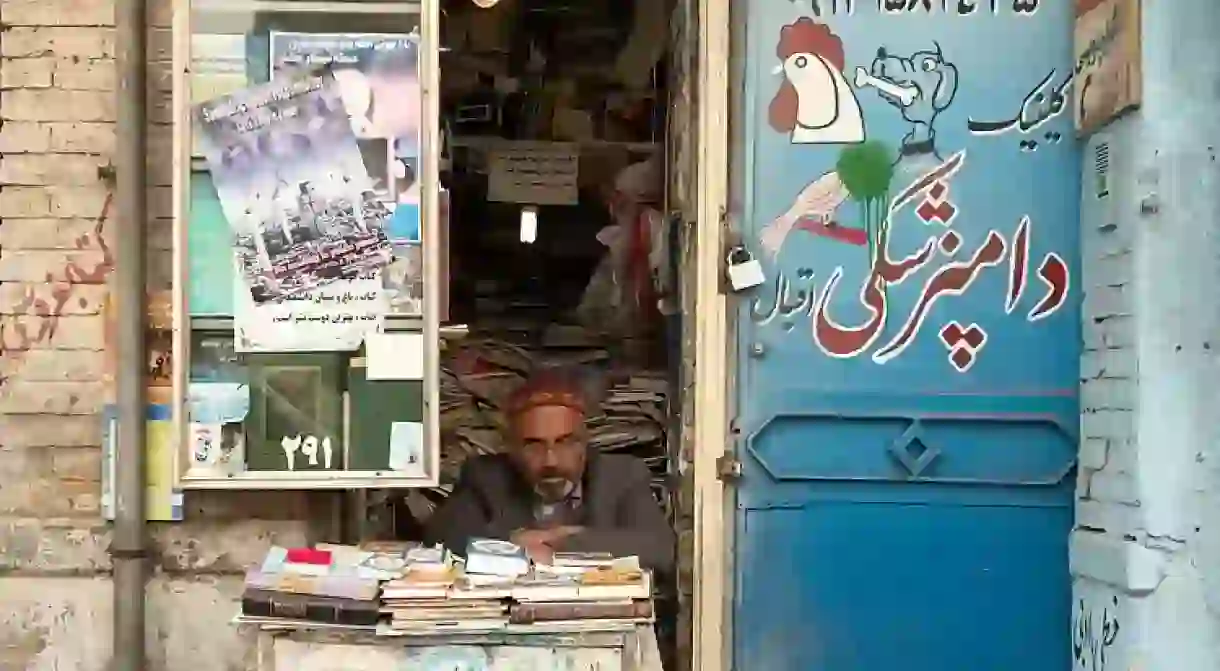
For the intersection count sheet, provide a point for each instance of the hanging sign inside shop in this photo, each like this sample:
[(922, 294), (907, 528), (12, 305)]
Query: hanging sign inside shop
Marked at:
[(537, 173)]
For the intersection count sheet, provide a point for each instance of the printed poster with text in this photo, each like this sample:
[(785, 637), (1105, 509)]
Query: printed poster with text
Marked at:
[(378, 79), (307, 230)]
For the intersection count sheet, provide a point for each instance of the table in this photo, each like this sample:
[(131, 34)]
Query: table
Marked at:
[(548, 646)]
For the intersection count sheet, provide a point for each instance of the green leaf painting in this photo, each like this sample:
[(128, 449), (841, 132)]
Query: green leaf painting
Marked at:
[(867, 170)]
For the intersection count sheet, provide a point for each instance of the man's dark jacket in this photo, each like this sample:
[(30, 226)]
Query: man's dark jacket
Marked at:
[(617, 510)]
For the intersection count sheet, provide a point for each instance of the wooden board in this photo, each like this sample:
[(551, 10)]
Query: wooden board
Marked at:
[(1109, 67)]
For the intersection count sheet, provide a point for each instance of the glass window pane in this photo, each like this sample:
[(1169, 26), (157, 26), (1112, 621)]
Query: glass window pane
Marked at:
[(270, 412), (237, 43)]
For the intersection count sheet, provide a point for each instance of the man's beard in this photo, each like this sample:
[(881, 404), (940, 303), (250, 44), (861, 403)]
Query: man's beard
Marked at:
[(554, 488)]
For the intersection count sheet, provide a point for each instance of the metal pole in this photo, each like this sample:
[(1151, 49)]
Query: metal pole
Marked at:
[(129, 545)]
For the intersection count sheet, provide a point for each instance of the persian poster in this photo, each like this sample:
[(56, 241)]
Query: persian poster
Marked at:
[(378, 79), (293, 187), (218, 67), (1109, 70), (335, 317)]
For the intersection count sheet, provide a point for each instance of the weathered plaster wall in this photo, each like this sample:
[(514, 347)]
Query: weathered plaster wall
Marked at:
[(1146, 551), (57, 80), (680, 197)]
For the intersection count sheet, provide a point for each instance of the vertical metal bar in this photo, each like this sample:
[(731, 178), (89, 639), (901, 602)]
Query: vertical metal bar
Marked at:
[(129, 543)]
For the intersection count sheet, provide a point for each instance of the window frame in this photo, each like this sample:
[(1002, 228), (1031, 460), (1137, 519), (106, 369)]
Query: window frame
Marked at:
[(429, 29)]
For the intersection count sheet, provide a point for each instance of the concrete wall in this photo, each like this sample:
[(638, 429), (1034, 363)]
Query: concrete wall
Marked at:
[(1146, 551), (57, 104)]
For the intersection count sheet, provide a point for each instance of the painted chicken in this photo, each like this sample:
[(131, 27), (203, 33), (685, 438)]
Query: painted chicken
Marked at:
[(814, 103)]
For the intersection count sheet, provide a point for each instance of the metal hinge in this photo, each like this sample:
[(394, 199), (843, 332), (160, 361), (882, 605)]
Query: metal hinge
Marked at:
[(728, 468)]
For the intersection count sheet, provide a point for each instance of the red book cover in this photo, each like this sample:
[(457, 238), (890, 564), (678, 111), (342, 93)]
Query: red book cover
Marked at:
[(308, 556)]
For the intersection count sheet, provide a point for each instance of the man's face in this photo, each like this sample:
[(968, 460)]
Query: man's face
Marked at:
[(550, 449)]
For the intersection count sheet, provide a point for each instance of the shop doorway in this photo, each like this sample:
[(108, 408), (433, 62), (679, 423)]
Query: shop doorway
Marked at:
[(567, 158)]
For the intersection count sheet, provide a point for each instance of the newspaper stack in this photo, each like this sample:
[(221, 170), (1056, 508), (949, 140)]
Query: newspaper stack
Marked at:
[(478, 375), (634, 423)]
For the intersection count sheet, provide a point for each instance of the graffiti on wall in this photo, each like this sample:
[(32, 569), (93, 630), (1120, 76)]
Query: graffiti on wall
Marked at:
[(901, 152), (19, 336), (1094, 635)]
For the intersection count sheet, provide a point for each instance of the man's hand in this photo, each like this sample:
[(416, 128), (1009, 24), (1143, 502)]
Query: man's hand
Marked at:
[(539, 544)]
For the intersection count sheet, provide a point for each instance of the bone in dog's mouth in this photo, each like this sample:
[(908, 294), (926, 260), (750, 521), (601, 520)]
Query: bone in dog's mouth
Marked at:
[(905, 94)]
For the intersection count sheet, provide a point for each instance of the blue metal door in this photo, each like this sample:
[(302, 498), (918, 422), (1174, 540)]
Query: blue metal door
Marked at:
[(907, 172)]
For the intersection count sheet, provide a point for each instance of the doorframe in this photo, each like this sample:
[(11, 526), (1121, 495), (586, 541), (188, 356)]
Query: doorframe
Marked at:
[(711, 648)]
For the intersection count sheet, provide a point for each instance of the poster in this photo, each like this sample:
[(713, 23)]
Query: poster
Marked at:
[(407, 448), (403, 280), (293, 187), (163, 503), (217, 450), (218, 68), (378, 79), (215, 433), (335, 317), (1109, 71)]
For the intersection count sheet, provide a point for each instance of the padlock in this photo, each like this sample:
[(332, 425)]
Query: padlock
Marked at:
[(745, 271)]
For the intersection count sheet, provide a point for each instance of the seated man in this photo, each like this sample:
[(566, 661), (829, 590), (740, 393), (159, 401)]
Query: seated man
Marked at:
[(551, 491)]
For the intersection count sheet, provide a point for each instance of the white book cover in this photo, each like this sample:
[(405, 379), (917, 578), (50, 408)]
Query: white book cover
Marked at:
[(495, 557)]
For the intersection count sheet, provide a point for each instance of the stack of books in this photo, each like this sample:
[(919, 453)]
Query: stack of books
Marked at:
[(327, 584), (428, 590), (435, 594), (583, 587)]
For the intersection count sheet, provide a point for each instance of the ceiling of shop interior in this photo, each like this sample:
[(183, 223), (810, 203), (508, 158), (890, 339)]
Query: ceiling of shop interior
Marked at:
[(588, 32)]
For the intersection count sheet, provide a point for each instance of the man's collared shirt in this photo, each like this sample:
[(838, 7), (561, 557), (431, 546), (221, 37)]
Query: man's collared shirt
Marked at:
[(560, 513)]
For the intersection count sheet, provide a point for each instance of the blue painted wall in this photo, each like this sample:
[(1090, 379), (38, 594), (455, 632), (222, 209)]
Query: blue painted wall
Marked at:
[(908, 374)]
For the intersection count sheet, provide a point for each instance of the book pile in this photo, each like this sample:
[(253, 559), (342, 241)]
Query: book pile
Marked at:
[(435, 592), (583, 587), (428, 590), (328, 584)]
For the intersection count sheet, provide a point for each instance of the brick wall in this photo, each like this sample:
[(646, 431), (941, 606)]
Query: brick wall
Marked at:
[(57, 105), (1146, 551)]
